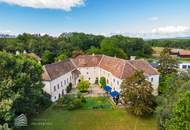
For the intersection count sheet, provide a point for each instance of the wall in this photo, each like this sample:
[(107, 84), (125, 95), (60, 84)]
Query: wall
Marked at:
[(89, 73), (112, 81), (184, 65), (154, 79), (58, 86)]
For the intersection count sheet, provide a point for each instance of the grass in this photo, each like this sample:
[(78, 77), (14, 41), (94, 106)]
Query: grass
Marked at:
[(96, 101), (183, 59), (91, 119)]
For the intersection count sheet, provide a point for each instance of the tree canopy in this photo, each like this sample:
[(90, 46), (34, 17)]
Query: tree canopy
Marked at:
[(51, 49), (136, 92), (167, 64), (20, 86), (172, 104)]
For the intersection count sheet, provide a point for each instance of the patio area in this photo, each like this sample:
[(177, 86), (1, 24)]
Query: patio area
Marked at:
[(93, 91)]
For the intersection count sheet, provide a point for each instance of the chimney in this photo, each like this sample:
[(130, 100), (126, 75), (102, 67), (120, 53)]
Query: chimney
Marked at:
[(132, 57)]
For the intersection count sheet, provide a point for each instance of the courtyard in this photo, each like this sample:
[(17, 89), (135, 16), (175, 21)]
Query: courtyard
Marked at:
[(88, 118)]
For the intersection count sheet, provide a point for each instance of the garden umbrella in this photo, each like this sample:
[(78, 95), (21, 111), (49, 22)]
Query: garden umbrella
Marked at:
[(107, 88)]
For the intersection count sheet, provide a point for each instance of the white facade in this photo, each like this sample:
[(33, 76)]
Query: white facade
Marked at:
[(89, 73), (184, 65), (154, 80), (57, 87)]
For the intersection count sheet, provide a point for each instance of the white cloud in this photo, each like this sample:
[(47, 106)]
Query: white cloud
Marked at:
[(160, 32), (171, 29), (51, 4), (155, 18)]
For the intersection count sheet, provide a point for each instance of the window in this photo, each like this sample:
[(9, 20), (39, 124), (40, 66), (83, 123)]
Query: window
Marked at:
[(86, 72), (54, 88), (184, 66), (58, 86), (61, 84), (117, 82), (55, 97), (64, 82), (188, 66), (114, 80), (152, 79)]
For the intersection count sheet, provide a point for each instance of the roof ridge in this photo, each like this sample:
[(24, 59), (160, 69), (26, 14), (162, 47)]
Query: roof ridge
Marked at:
[(131, 65), (123, 69), (100, 60), (73, 63)]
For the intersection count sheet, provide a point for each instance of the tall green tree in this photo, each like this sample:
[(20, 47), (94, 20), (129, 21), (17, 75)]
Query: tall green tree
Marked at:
[(20, 86), (61, 57), (136, 92), (179, 117), (176, 85), (168, 64)]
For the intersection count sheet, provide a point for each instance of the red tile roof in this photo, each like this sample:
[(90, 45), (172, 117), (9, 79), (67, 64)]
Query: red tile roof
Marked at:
[(87, 60), (55, 70), (144, 66), (118, 67), (184, 53), (113, 65)]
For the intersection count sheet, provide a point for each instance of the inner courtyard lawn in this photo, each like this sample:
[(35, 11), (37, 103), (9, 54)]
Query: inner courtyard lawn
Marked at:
[(91, 119)]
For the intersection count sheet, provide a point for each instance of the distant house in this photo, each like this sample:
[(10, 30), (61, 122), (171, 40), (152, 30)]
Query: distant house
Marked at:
[(184, 53), (184, 65), (180, 53), (57, 76)]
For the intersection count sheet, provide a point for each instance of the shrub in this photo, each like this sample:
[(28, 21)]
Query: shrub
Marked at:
[(69, 88), (71, 102), (4, 127), (74, 104), (83, 99), (102, 81), (83, 85)]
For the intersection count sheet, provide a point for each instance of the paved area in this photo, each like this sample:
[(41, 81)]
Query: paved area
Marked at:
[(93, 91)]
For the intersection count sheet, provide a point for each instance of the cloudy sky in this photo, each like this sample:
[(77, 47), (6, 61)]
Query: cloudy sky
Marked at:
[(144, 18)]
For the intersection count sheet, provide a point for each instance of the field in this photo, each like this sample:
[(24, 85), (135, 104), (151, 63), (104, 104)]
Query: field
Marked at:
[(91, 119)]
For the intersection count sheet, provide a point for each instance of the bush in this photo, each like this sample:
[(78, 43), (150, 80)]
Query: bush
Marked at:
[(71, 102), (83, 85), (75, 104), (69, 88), (4, 127), (83, 99), (102, 81)]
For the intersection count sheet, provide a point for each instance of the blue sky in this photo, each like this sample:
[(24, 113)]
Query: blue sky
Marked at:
[(131, 17)]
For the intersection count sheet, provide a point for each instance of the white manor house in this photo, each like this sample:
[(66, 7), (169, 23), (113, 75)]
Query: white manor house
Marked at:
[(57, 76)]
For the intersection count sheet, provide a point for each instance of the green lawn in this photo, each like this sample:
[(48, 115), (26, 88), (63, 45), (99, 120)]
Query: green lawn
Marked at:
[(91, 119), (183, 59)]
